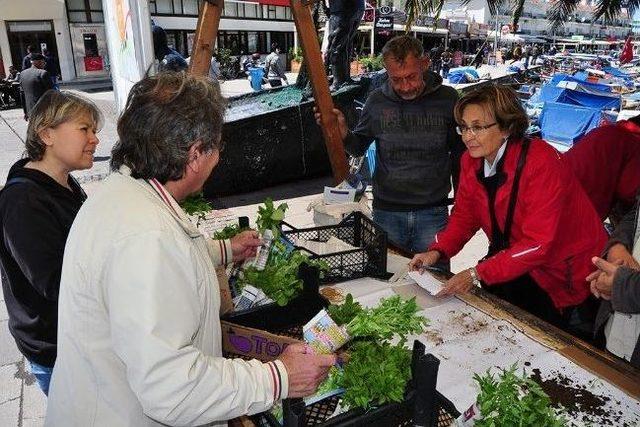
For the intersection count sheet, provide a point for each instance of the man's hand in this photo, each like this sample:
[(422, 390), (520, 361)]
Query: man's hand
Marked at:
[(461, 283), (619, 255), (424, 259), (601, 281), (244, 245), (342, 122), (305, 370)]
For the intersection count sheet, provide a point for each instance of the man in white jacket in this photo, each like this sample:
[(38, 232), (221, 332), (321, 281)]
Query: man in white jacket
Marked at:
[(139, 338)]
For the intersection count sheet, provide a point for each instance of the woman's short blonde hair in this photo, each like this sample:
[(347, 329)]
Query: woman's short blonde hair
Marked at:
[(53, 109), (503, 102)]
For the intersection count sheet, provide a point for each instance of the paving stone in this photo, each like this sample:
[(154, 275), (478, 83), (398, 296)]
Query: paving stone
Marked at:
[(3, 312), (34, 402), (32, 422), (8, 351), (11, 384), (10, 413)]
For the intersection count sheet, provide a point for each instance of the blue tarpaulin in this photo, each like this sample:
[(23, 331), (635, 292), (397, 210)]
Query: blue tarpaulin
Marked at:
[(565, 123), (616, 72), (577, 92), (459, 75), (587, 85)]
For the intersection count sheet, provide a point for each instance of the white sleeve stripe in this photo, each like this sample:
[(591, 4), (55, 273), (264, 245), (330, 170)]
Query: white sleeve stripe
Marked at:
[(526, 251)]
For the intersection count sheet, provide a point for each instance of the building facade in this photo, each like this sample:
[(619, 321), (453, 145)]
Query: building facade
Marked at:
[(73, 30)]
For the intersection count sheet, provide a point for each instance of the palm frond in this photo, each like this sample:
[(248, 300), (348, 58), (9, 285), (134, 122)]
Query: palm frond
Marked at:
[(517, 12), (493, 5), (612, 9), (560, 11), (416, 8)]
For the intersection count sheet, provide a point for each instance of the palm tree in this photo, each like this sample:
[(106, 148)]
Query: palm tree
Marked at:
[(558, 14)]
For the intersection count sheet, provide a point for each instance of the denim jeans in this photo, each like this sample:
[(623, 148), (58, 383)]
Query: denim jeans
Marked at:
[(43, 376), (413, 231)]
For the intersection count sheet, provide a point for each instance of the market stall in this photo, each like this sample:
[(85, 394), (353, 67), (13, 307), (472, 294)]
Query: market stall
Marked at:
[(477, 333)]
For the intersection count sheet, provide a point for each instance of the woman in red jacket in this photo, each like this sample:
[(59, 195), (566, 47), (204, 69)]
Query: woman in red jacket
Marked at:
[(542, 228)]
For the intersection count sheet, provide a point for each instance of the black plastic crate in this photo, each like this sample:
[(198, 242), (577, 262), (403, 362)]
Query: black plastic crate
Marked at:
[(276, 319), (369, 259), (423, 405)]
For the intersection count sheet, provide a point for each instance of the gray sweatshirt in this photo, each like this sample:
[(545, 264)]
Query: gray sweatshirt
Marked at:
[(417, 148)]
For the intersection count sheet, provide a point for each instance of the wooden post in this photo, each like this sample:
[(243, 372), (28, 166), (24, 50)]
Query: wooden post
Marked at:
[(205, 37), (313, 60)]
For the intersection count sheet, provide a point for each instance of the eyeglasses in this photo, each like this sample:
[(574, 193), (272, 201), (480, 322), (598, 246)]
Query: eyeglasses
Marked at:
[(475, 130)]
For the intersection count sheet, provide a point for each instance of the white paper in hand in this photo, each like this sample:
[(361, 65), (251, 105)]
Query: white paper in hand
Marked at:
[(426, 281)]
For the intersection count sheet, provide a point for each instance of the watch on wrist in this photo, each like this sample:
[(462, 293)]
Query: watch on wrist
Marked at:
[(474, 277)]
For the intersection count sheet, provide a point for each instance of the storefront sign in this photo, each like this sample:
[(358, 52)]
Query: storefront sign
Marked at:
[(93, 63), (457, 27), (384, 23)]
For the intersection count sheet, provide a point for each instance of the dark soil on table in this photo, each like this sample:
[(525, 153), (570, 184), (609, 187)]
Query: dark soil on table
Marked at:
[(577, 400)]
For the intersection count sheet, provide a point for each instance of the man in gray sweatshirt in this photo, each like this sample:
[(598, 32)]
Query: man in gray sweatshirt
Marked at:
[(410, 118)]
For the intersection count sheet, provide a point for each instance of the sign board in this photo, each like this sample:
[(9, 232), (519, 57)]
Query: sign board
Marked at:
[(130, 45), (456, 27), (383, 23)]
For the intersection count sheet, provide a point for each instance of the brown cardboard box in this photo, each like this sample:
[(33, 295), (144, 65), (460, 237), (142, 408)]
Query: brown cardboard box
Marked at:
[(253, 343)]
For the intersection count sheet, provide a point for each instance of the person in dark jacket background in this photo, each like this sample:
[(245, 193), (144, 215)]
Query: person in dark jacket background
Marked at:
[(410, 118), (26, 61), (617, 282), (37, 207), (34, 82)]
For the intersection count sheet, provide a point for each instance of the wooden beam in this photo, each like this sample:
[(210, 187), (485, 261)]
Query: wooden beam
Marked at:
[(313, 60), (205, 37)]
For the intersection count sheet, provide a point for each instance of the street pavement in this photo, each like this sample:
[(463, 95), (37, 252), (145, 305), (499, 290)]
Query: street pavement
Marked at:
[(22, 404)]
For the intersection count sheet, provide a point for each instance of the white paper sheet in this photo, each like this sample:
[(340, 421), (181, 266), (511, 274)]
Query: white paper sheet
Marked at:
[(426, 281)]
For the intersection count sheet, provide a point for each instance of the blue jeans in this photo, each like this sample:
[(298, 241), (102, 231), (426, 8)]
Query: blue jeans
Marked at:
[(413, 231), (43, 376)]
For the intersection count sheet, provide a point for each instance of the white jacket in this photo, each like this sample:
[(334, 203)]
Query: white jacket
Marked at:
[(139, 338)]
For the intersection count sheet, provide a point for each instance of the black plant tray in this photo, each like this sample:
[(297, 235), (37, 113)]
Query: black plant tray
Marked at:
[(273, 317), (422, 406), (368, 259)]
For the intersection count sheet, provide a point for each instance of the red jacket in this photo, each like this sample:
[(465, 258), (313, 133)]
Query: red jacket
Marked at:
[(606, 162), (555, 229)]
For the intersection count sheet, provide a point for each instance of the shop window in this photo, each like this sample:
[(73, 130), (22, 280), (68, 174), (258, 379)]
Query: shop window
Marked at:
[(97, 17), (190, 7), (84, 11), (280, 12), (164, 7), (75, 4), (250, 10), (230, 9), (78, 17)]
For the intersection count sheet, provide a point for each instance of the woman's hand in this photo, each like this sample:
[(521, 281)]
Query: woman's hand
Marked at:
[(424, 259), (461, 283)]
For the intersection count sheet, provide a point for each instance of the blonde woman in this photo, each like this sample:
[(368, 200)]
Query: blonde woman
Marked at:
[(37, 207)]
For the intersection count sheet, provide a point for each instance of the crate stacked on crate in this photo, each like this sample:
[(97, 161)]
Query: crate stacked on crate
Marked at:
[(368, 258)]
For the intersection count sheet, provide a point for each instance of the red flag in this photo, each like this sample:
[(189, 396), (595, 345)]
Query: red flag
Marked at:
[(627, 51)]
